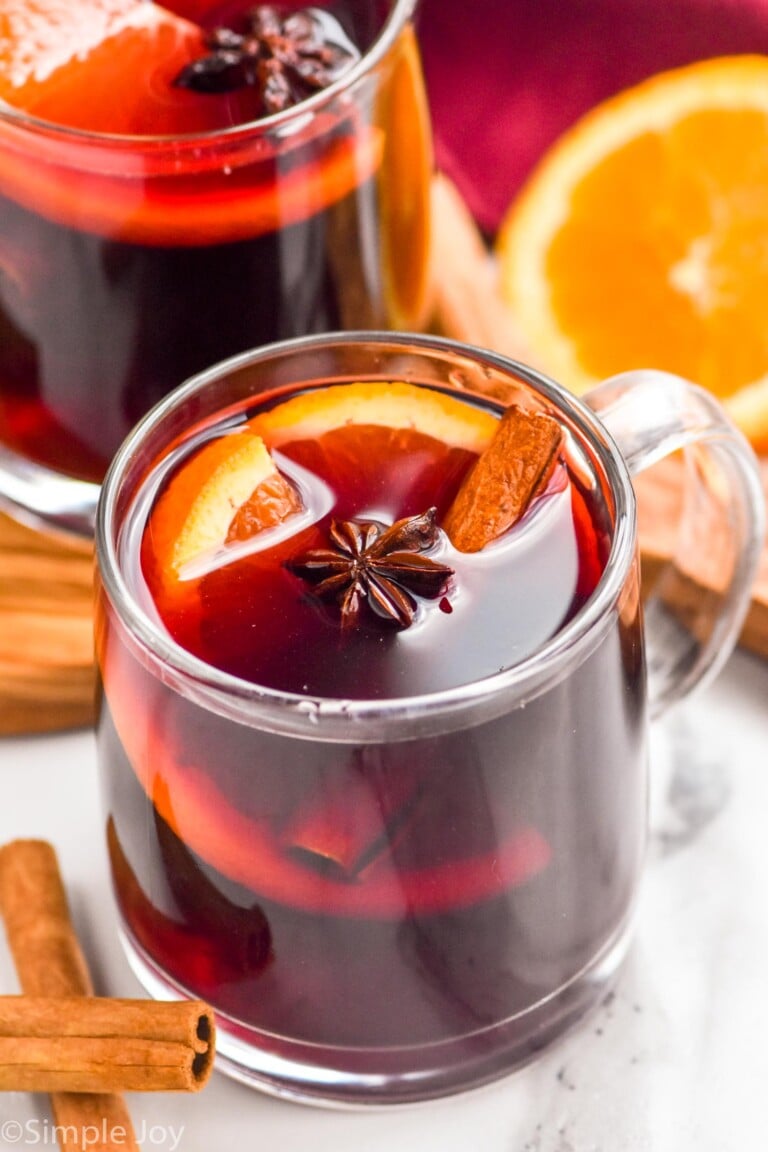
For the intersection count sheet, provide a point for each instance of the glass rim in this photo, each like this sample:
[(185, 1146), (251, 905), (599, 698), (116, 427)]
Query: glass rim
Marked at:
[(400, 14), (358, 720)]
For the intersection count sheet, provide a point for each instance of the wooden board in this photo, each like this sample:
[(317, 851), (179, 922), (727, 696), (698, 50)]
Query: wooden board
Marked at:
[(46, 635)]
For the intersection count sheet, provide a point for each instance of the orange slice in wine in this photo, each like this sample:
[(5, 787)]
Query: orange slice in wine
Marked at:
[(104, 66), (383, 404), (229, 490), (249, 851)]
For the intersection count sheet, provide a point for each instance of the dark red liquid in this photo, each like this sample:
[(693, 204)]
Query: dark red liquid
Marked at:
[(79, 366), (366, 899), (551, 563), (111, 294)]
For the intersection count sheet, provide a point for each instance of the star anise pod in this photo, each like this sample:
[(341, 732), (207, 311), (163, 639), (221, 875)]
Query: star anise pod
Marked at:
[(285, 57), (378, 566)]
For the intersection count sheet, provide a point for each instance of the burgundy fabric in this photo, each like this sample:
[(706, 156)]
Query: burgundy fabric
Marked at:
[(506, 77)]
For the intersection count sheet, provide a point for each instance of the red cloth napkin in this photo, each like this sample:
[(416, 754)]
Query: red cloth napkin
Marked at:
[(506, 77)]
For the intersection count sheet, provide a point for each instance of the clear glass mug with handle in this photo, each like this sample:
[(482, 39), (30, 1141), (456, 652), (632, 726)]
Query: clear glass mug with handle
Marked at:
[(130, 261), (498, 912)]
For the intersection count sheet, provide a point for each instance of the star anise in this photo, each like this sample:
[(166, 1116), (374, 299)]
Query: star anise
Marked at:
[(378, 566), (285, 57)]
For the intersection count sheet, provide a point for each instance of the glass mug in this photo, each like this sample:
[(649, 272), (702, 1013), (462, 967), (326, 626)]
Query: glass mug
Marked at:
[(128, 263), (502, 911)]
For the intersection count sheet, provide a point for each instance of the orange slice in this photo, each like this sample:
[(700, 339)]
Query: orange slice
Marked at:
[(388, 405), (250, 851), (641, 240), (230, 490), (99, 65)]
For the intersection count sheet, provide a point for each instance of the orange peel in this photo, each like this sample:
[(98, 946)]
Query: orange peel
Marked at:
[(393, 404)]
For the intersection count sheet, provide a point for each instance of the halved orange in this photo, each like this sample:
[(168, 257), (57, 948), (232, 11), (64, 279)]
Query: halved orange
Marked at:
[(641, 240), (229, 490), (388, 405)]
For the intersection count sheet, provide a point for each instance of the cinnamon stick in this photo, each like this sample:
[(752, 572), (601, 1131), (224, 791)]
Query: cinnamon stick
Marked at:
[(49, 962), (512, 471), (467, 304), (92, 1044)]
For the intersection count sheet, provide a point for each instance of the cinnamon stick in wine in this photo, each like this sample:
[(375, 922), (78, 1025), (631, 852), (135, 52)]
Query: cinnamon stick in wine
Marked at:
[(50, 962), (514, 469)]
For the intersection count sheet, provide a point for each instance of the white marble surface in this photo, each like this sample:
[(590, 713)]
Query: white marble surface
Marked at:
[(675, 1062)]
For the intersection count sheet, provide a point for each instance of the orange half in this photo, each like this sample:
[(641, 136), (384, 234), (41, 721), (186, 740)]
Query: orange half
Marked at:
[(641, 240)]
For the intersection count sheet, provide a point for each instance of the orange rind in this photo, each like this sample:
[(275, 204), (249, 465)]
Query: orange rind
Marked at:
[(389, 405), (641, 239)]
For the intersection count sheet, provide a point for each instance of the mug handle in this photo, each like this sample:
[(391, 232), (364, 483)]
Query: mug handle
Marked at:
[(46, 500), (695, 610)]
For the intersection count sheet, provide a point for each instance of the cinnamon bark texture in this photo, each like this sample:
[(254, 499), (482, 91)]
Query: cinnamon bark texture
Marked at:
[(76, 1044), (514, 469), (467, 304), (50, 962)]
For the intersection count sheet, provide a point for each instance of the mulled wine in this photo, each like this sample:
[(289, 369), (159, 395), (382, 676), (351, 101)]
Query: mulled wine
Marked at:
[(161, 210), (401, 911)]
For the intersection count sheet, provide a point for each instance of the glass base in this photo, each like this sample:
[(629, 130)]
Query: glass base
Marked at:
[(363, 1077)]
